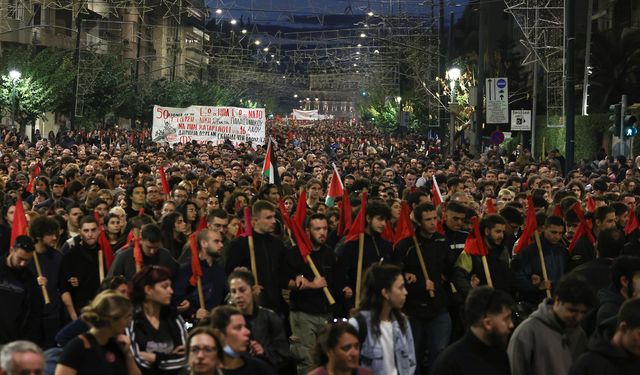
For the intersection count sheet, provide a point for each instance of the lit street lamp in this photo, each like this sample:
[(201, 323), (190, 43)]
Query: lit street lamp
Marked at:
[(398, 101), (453, 75), (15, 77)]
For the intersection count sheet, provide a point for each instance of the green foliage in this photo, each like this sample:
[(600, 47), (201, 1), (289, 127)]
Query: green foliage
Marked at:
[(589, 132), (33, 99)]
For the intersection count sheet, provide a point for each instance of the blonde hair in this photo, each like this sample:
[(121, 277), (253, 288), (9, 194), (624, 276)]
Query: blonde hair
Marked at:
[(107, 307)]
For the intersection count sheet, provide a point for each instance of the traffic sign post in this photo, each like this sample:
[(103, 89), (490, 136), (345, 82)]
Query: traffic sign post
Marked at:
[(520, 120), (497, 137), (497, 100)]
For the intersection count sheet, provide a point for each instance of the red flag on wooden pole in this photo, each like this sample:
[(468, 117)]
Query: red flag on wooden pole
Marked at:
[(345, 215), (19, 226), (632, 223), (360, 221), (404, 226), (196, 269), (530, 226)]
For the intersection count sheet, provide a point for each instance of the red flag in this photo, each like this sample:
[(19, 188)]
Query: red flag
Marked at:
[(301, 208), (387, 234), (404, 226), (632, 224), (360, 221), (474, 245), (300, 237), (202, 224), (196, 269), (19, 226), (345, 215), (583, 228), (141, 211), (165, 183), (137, 252), (591, 204), (530, 226), (491, 209), (557, 211), (246, 231), (103, 242), (436, 196), (335, 189), (36, 172)]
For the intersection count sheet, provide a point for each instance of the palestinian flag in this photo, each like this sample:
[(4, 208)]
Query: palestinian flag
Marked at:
[(269, 169), (336, 189)]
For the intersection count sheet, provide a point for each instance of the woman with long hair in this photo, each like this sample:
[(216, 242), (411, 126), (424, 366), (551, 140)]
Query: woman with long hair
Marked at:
[(388, 346), (337, 351), (230, 322), (158, 334), (174, 228), (189, 212), (104, 349), (113, 230)]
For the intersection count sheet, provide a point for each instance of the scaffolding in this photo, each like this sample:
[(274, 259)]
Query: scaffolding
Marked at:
[(542, 23)]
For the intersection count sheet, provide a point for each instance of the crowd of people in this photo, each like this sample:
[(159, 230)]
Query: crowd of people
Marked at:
[(124, 256)]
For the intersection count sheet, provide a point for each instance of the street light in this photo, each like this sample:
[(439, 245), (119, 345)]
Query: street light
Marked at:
[(398, 101), (15, 77), (453, 75)]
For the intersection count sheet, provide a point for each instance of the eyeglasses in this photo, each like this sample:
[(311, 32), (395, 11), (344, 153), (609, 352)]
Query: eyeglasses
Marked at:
[(204, 349)]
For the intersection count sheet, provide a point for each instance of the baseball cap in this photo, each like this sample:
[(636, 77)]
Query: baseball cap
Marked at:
[(25, 243)]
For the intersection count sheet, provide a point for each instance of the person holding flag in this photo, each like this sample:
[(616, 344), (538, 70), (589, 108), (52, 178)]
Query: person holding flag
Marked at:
[(370, 222), (468, 271), (209, 249), (527, 267), (583, 249), (269, 255), (20, 296), (428, 314), (309, 308)]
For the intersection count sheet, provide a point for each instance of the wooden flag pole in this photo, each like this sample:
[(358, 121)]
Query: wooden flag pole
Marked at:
[(359, 270), (45, 294), (316, 273), (542, 264), (423, 266), (200, 293), (100, 265), (136, 235), (252, 256), (487, 274)]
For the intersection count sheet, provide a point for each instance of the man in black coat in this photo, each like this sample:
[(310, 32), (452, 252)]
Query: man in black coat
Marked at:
[(603, 218), (597, 271), (482, 350), (615, 347), (20, 295), (269, 256)]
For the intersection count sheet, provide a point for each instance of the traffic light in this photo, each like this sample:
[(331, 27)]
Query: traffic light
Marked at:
[(614, 118), (630, 126)]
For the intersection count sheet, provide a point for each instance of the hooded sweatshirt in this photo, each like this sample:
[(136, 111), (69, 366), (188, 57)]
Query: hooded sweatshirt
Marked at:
[(543, 345), (604, 358)]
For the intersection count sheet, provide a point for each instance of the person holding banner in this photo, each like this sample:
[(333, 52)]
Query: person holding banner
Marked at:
[(20, 296), (429, 317), (527, 269), (269, 256), (309, 308)]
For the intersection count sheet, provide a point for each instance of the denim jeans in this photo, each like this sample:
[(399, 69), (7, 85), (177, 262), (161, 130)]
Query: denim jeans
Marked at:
[(431, 337)]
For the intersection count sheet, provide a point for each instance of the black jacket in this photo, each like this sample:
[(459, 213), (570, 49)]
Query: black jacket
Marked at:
[(498, 262), (604, 358), (270, 262), (267, 328), (596, 272), (609, 302), (582, 252), (375, 250), (313, 301), (435, 251), (471, 356), (81, 261), (21, 301), (125, 264)]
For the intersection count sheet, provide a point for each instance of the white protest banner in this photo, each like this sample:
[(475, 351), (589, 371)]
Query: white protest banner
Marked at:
[(208, 124)]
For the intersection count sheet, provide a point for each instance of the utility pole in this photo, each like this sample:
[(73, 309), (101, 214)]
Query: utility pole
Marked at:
[(569, 87), (476, 147)]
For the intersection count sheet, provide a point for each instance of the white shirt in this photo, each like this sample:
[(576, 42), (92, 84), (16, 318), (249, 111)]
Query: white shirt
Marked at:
[(388, 355)]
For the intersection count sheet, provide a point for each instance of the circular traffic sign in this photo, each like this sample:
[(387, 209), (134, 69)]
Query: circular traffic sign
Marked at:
[(497, 137), (501, 83)]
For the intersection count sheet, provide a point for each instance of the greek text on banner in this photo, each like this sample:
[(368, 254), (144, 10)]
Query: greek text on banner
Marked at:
[(208, 124)]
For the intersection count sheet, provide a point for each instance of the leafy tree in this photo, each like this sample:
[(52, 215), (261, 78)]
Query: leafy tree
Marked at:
[(32, 98)]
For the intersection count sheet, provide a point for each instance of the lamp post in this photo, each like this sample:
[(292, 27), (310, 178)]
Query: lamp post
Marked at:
[(453, 75), (14, 75)]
